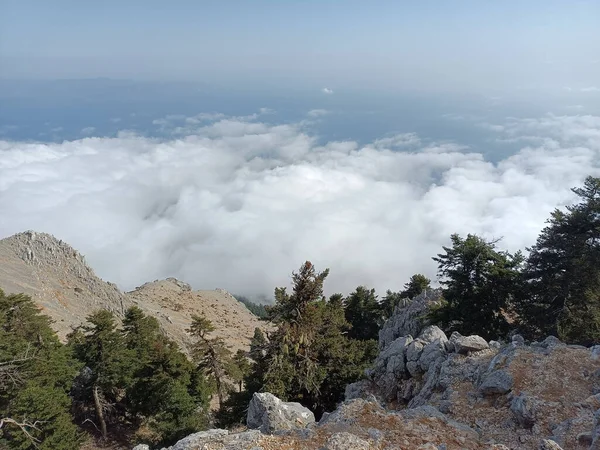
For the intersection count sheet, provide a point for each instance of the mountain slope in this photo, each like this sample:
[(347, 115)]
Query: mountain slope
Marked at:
[(65, 288)]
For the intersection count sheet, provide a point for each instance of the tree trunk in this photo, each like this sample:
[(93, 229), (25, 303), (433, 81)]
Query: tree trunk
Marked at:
[(219, 390), (99, 412)]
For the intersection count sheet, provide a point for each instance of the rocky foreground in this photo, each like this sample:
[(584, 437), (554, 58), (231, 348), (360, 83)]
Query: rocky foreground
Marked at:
[(430, 391)]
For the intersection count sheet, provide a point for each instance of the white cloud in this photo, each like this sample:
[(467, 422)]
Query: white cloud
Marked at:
[(240, 204), (317, 112), (590, 89), (86, 131), (327, 91)]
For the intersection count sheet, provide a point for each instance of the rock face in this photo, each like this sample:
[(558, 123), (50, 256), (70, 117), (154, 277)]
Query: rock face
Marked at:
[(269, 414), (407, 320), (61, 283)]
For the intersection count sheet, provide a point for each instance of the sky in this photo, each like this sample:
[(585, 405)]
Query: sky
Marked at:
[(430, 45), (225, 143)]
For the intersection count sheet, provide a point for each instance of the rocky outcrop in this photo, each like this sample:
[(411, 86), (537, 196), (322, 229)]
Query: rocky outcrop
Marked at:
[(269, 414), (408, 319)]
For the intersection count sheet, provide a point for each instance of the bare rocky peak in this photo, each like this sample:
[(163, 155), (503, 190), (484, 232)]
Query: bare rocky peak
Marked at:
[(59, 280)]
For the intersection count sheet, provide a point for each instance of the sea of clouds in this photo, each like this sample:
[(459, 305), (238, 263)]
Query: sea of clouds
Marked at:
[(238, 203)]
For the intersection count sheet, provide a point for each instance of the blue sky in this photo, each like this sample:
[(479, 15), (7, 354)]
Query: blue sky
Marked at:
[(428, 45)]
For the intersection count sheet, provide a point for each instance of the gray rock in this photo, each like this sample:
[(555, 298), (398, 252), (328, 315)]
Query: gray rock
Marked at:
[(358, 389), (346, 441), (432, 333), (408, 319), (269, 414), (596, 432), (497, 382), (375, 434), (413, 353), (390, 367), (466, 344), (551, 342), (197, 440), (431, 352), (595, 352), (141, 447), (518, 340), (495, 344), (549, 444), (523, 409)]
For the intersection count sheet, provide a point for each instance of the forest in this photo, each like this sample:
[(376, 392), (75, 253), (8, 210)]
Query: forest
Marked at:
[(122, 380)]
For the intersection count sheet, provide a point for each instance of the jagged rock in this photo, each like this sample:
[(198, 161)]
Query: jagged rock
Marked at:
[(549, 444), (466, 344), (346, 441), (596, 432), (432, 352), (390, 367), (432, 333), (269, 414), (413, 353), (408, 320), (523, 409), (141, 447), (595, 352), (359, 389), (497, 382)]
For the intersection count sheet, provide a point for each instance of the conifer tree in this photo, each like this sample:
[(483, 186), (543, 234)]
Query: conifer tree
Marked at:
[(480, 284), (563, 272)]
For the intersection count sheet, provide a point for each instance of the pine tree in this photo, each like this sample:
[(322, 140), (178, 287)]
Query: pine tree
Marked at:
[(36, 374), (563, 272), (101, 347), (214, 359), (363, 312), (480, 285)]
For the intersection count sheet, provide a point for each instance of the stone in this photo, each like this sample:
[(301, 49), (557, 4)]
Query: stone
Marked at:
[(269, 414), (431, 352), (551, 342), (141, 447), (466, 344), (432, 333), (346, 441), (549, 444), (197, 440), (596, 432), (523, 410), (495, 344), (518, 340), (497, 382), (407, 318), (389, 368), (413, 353), (595, 352), (358, 389)]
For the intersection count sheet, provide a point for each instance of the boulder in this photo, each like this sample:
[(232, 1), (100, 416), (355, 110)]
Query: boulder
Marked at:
[(358, 389), (346, 441), (141, 447), (466, 344), (269, 414), (432, 333), (198, 440), (523, 409), (431, 352), (549, 444), (497, 382)]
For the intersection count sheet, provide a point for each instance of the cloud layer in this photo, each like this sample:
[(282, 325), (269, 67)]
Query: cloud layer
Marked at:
[(239, 203)]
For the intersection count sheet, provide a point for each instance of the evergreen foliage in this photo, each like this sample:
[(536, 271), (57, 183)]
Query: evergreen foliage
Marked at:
[(363, 312), (36, 374), (562, 295), (480, 285), (259, 310)]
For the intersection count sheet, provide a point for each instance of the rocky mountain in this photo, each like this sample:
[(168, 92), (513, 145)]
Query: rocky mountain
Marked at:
[(427, 391), (59, 280)]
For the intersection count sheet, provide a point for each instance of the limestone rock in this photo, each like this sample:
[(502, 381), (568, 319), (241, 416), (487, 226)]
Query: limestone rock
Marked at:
[(466, 344), (549, 444), (497, 382), (269, 414), (408, 319), (523, 409), (346, 441)]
